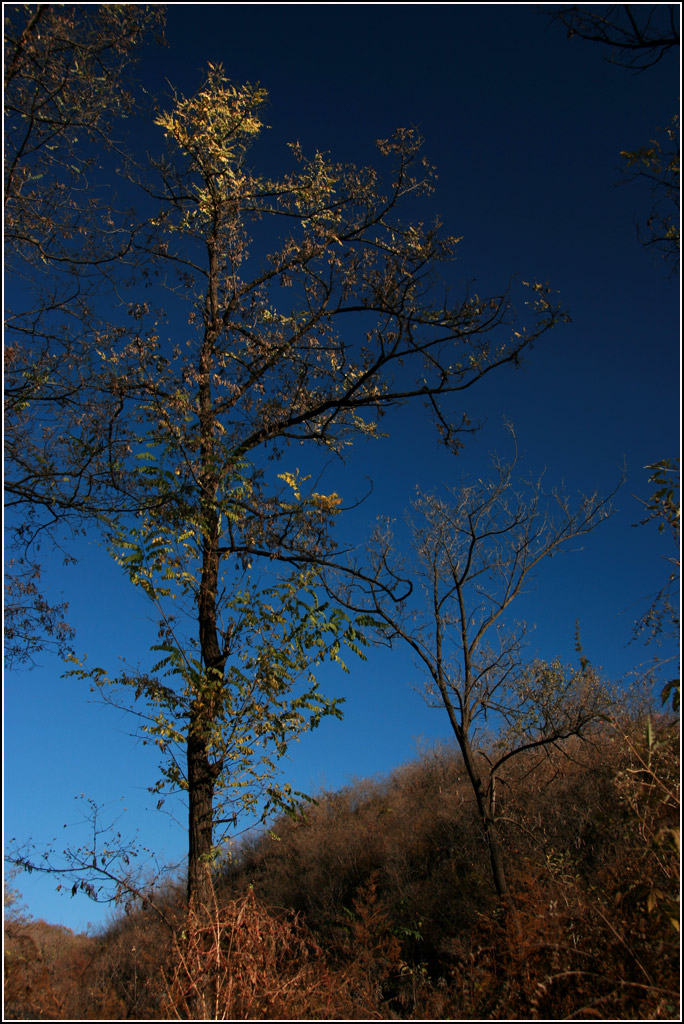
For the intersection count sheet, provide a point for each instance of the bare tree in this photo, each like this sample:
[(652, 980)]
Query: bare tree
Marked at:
[(106, 867), (474, 554)]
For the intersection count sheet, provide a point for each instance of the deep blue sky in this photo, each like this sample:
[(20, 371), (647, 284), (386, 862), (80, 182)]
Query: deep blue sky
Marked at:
[(525, 128)]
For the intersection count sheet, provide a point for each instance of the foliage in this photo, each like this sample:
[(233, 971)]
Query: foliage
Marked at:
[(638, 39), (169, 442), (661, 619), (14, 910), (65, 84), (663, 507), (658, 164), (377, 905), (66, 88), (31, 622), (49, 976), (650, 787), (176, 431), (255, 709), (226, 544)]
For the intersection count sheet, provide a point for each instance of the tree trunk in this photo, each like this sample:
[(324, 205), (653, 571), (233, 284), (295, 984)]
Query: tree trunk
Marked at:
[(496, 858), (200, 824), (486, 810), (202, 773), (199, 934)]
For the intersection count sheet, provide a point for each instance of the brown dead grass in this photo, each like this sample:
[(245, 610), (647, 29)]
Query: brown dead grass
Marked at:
[(378, 905)]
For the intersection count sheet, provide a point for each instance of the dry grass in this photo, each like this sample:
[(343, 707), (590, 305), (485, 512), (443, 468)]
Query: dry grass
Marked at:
[(379, 905)]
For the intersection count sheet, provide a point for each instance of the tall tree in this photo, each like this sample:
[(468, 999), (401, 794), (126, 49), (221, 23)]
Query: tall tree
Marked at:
[(302, 307), (475, 553), (66, 88)]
